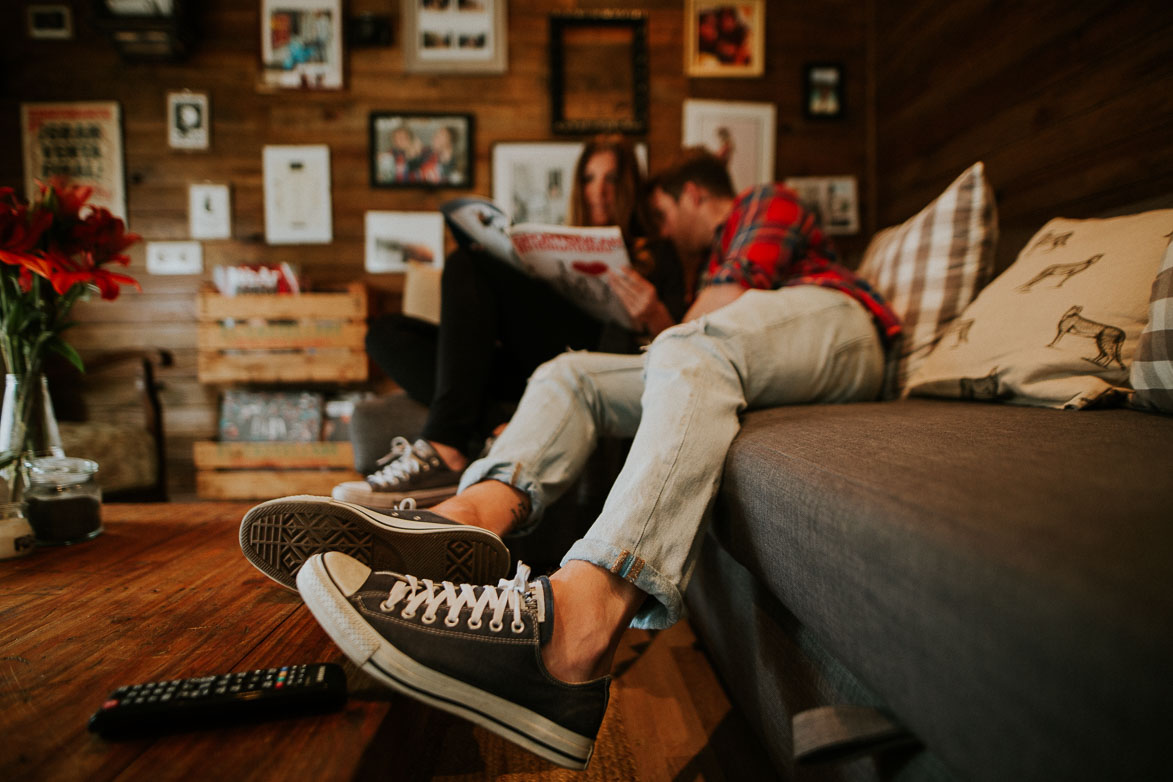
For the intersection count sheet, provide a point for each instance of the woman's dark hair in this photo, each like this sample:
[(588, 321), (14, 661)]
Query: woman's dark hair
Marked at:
[(627, 190)]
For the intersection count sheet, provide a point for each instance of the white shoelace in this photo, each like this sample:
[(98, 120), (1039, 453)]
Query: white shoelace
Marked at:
[(397, 465), (508, 594)]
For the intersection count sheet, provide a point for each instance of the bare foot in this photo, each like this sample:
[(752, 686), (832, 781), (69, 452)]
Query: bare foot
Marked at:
[(453, 458), (491, 505)]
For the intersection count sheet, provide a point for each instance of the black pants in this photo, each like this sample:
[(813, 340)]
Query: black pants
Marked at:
[(497, 326)]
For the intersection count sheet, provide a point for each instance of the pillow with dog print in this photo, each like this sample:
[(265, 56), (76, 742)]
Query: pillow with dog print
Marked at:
[(1060, 327)]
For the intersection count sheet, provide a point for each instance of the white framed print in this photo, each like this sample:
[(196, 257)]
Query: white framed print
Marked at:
[(532, 180), (301, 44), (81, 141), (393, 239), (297, 194), (455, 36), (740, 133), (209, 211), (188, 120), (834, 199)]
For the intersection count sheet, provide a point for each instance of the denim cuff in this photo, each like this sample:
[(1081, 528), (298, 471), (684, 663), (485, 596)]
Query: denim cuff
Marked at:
[(657, 614), (511, 474)]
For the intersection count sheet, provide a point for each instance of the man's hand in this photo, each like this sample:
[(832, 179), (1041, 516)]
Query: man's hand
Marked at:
[(640, 299), (712, 298)]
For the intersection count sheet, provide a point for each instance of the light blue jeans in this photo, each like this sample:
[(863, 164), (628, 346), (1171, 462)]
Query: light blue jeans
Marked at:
[(681, 401)]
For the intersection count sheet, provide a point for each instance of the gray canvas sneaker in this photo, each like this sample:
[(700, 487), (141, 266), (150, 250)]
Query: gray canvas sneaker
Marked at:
[(412, 470), (473, 651), (279, 535)]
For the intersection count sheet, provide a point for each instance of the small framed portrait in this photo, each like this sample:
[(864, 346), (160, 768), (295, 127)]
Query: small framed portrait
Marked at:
[(421, 150), (50, 21), (724, 39), (834, 199), (301, 44), (741, 133), (455, 36), (823, 90), (394, 239), (188, 120)]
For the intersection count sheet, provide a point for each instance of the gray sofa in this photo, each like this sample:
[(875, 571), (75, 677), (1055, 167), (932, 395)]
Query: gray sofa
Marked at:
[(997, 579)]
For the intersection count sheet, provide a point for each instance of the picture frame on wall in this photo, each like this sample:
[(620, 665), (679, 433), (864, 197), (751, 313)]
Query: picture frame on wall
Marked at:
[(298, 207), (599, 72), (455, 36), (395, 239), (49, 21), (79, 140), (835, 199), (724, 39), (532, 180), (209, 211), (741, 133), (421, 150), (301, 44), (188, 120), (823, 90)]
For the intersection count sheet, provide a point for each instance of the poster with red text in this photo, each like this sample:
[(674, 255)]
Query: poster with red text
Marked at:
[(80, 141)]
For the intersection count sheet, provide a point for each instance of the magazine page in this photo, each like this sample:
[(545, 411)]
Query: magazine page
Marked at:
[(479, 223), (573, 261)]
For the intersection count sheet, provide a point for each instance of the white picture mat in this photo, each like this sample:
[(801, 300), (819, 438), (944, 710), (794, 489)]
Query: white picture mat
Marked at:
[(209, 211), (835, 199), (532, 181), (321, 40), (394, 238), (188, 120), (750, 127), (297, 194), (489, 21), (50, 133)]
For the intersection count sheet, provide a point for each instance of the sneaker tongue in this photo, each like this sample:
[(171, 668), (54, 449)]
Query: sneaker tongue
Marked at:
[(545, 611)]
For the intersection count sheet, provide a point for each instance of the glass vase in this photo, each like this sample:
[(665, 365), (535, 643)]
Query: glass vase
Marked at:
[(28, 429)]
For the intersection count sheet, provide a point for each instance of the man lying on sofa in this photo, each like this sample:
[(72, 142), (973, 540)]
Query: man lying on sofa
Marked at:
[(775, 322)]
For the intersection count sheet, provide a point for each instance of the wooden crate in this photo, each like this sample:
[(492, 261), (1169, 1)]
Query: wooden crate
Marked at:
[(263, 471), (283, 338)]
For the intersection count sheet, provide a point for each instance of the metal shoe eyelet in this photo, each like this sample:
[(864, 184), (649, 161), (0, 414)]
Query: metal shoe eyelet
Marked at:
[(385, 606), (408, 614), (517, 627), (428, 619), (474, 624), (451, 621), (496, 626)]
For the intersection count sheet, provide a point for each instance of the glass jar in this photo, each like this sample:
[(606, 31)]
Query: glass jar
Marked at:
[(63, 501)]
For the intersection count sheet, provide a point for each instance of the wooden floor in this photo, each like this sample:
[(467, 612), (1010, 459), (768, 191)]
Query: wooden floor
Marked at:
[(165, 593)]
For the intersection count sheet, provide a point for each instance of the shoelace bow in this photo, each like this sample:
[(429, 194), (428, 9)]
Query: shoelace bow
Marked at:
[(508, 594), (397, 465)]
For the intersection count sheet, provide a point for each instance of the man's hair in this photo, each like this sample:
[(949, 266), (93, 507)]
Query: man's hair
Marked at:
[(696, 165)]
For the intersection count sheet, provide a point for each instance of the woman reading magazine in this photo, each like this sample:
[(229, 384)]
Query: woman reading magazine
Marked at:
[(498, 324)]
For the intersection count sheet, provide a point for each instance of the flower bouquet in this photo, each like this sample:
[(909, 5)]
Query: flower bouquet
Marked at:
[(53, 252)]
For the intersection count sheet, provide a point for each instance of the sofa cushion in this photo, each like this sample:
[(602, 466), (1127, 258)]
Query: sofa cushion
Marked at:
[(1001, 576), (932, 265), (1060, 326), (1152, 371)]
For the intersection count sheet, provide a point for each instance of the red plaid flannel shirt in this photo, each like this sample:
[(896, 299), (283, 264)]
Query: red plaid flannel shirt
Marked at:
[(771, 241)]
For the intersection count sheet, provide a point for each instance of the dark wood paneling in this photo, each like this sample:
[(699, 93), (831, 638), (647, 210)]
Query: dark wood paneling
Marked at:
[(1069, 104), (509, 107)]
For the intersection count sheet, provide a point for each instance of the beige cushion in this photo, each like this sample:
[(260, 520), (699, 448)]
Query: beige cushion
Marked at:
[(932, 265), (1152, 371), (1060, 326)]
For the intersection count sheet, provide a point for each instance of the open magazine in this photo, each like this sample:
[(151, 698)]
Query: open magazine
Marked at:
[(571, 260)]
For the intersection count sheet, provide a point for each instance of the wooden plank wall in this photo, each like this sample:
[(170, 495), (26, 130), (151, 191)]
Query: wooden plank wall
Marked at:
[(510, 107), (1070, 105)]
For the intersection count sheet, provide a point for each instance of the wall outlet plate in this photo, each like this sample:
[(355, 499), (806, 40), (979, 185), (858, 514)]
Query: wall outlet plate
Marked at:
[(175, 257)]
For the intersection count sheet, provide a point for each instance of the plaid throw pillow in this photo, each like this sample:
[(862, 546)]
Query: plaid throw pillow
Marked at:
[(1152, 370), (931, 266)]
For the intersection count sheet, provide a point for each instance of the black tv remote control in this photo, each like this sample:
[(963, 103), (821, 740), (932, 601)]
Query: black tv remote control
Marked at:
[(216, 701)]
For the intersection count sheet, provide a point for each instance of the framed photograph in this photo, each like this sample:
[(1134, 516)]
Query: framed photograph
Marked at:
[(301, 44), (188, 120), (740, 133), (834, 199), (421, 150), (532, 180), (823, 90), (455, 36), (599, 72), (393, 239), (209, 211), (81, 141), (50, 21), (723, 39), (297, 195)]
